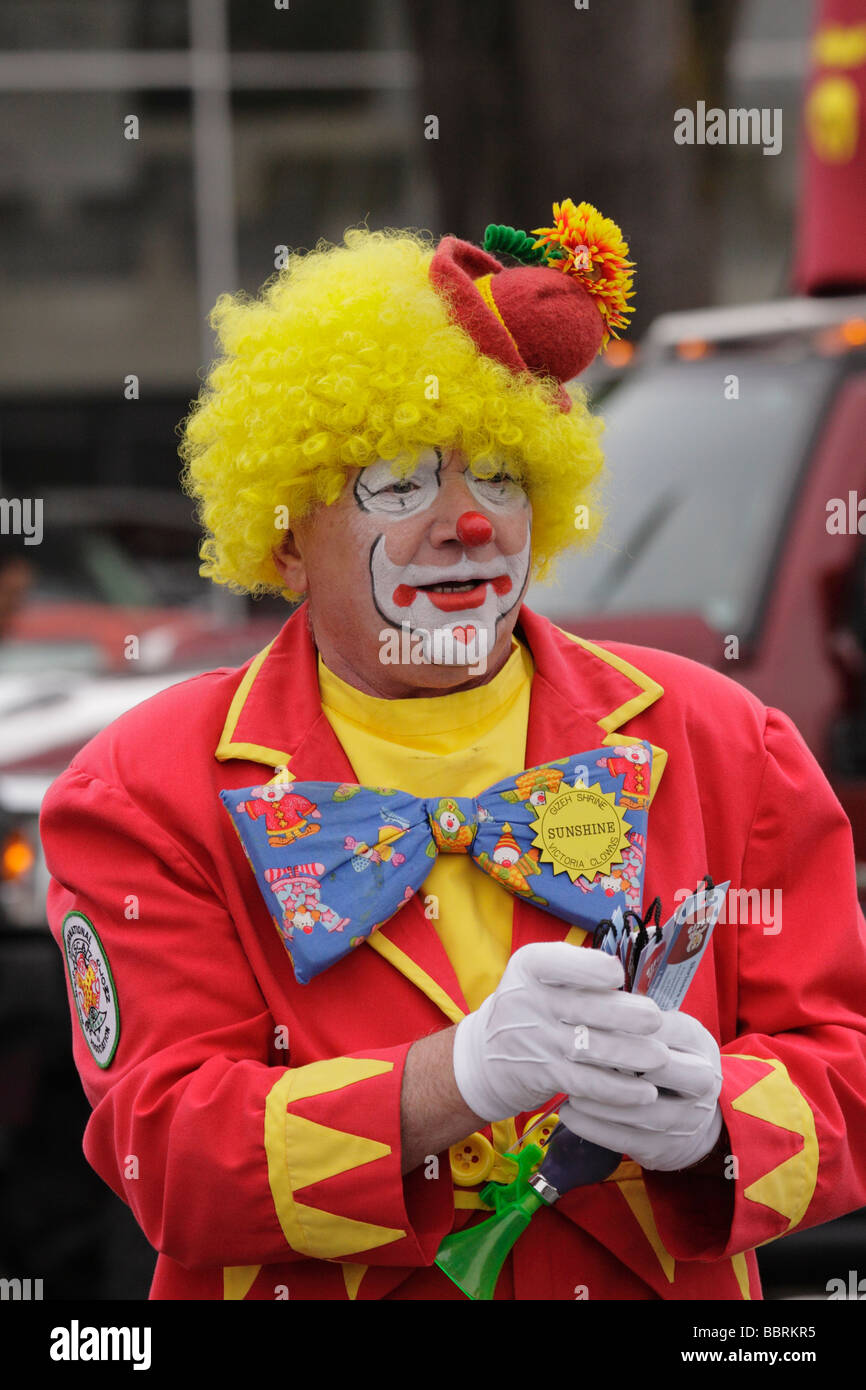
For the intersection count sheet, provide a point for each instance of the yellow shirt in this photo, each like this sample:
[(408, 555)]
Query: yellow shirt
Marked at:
[(446, 745)]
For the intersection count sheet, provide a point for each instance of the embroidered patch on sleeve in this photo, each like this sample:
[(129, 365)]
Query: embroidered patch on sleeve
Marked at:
[(92, 986)]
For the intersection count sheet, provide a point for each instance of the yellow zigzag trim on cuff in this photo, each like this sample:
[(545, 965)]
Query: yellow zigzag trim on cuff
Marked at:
[(318, 1152), (741, 1271), (238, 1280), (301, 1152), (788, 1188), (352, 1276), (635, 1193)]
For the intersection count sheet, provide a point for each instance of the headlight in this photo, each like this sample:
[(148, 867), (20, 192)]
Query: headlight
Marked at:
[(17, 857), (23, 876)]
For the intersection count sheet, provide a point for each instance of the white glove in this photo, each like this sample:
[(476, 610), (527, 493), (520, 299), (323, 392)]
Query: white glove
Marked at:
[(677, 1130), (521, 1046)]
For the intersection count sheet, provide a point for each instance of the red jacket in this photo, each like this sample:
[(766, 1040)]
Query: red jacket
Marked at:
[(253, 1124)]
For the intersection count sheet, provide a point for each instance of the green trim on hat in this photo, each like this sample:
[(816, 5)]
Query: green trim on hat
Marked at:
[(518, 244)]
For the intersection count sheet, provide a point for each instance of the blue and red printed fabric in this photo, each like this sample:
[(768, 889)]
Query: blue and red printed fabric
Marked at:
[(334, 861)]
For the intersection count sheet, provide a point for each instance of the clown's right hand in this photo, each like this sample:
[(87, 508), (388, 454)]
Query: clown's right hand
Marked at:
[(557, 1022)]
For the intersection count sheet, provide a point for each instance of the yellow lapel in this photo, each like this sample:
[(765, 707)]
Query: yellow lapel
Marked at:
[(230, 747), (649, 691)]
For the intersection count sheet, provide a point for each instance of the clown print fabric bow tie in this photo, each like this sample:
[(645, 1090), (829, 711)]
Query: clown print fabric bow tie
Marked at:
[(334, 861)]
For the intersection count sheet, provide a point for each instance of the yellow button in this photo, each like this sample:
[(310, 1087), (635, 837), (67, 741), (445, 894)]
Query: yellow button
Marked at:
[(472, 1160), (542, 1134)]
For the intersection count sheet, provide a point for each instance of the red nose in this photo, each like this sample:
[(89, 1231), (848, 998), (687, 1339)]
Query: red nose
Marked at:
[(474, 529)]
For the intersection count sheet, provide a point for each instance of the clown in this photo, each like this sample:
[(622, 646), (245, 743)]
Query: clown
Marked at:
[(450, 831), (288, 816), (626, 876), (630, 762), (392, 433), (298, 891), (512, 865), (534, 789), (407, 421)]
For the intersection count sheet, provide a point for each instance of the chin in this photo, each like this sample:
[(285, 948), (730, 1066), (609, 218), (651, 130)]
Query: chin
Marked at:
[(447, 675), (442, 677)]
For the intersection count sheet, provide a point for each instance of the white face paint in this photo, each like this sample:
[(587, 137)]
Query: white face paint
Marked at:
[(471, 617), (456, 626), (380, 491), (506, 856), (499, 493)]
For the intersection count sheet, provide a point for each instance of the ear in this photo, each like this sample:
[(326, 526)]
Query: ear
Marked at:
[(290, 564)]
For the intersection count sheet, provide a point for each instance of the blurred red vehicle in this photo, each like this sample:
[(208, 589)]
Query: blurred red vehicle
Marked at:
[(736, 443)]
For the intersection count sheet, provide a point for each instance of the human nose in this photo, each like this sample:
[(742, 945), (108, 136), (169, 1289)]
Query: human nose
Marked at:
[(457, 520), (473, 528)]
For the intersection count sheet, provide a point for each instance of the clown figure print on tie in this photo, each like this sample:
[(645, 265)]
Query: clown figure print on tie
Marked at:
[(569, 843)]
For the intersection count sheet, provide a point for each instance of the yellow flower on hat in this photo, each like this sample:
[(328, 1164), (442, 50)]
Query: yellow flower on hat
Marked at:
[(591, 248)]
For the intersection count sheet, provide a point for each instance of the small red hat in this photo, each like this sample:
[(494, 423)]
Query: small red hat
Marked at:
[(550, 319)]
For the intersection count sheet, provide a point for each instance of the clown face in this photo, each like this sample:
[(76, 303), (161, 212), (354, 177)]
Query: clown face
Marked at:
[(506, 855), (272, 791), (457, 605), (450, 822), (440, 554), (633, 753)]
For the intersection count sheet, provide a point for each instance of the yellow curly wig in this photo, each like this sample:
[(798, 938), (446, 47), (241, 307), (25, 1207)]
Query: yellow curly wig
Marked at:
[(348, 356)]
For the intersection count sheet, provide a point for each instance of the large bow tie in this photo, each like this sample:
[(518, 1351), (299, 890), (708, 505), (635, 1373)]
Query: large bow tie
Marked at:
[(335, 860)]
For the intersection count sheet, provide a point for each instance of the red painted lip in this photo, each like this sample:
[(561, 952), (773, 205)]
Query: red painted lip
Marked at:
[(453, 603), (404, 595)]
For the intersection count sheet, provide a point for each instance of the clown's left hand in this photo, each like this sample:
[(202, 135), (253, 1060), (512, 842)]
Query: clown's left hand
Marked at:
[(683, 1124)]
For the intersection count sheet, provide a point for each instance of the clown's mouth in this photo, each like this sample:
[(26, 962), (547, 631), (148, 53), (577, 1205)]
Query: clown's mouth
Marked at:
[(453, 595)]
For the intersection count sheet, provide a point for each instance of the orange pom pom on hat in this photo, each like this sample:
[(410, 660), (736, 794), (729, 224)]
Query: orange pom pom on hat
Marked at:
[(549, 317)]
